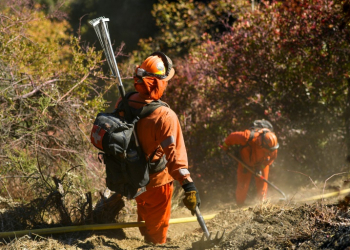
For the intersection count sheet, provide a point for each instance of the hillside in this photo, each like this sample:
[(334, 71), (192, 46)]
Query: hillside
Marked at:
[(298, 223)]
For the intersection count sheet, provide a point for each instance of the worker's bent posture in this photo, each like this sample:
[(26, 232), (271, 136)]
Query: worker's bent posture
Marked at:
[(258, 150)]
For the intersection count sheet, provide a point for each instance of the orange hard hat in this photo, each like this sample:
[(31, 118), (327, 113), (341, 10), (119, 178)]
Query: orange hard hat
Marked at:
[(269, 140), (156, 65)]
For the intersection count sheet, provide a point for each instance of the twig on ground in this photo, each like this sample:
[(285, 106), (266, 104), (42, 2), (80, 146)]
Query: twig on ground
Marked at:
[(303, 174), (324, 185), (37, 236), (290, 200)]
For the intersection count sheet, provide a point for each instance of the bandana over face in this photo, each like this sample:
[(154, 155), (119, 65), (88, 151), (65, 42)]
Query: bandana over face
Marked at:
[(150, 86)]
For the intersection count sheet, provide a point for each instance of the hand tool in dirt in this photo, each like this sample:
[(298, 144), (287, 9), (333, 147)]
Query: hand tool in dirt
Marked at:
[(258, 175), (205, 243)]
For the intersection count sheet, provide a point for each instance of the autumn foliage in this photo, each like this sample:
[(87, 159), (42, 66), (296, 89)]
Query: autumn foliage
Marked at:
[(286, 62)]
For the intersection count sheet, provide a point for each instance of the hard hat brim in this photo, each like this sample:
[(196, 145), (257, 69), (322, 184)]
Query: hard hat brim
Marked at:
[(171, 74)]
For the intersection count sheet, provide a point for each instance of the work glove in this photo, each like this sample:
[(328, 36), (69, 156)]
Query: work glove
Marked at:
[(191, 199)]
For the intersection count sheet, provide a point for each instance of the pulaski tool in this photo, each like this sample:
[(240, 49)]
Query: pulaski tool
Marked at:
[(205, 241)]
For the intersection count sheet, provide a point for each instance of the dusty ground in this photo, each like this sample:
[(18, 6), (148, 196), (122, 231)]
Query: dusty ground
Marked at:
[(274, 224), (281, 225)]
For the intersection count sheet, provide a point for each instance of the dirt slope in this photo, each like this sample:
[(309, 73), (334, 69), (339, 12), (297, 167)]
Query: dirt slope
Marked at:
[(285, 225)]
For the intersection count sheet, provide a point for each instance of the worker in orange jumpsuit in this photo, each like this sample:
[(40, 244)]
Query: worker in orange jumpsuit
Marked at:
[(160, 137), (258, 150)]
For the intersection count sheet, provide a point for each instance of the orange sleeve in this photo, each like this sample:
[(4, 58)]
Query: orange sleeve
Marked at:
[(169, 134), (237, 138)]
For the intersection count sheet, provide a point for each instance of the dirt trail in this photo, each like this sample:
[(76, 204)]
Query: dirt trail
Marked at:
[(271, 225)]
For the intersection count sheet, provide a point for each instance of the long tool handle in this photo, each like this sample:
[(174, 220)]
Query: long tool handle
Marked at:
[(101, 28), (257, 174), (202, 223)]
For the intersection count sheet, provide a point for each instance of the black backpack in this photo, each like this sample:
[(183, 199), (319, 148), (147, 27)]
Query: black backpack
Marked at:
[(255, 127), (127, 170), (258, 125)]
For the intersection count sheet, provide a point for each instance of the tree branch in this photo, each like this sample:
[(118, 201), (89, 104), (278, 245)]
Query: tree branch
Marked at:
[(37, 89), (76, 85)]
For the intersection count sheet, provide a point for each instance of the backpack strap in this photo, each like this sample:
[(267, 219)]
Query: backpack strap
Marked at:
[(150, 107), (251, 136), (145, 110), (154, 167), (127, 96), (142, 113), (252, 133)]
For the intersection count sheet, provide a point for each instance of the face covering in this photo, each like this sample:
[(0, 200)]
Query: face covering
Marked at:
[(151, 86)]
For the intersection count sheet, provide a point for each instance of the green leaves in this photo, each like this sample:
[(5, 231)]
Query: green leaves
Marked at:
[(49, 94), (184, 22)]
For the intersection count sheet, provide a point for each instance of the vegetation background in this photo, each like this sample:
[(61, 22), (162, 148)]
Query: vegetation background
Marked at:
[(235, 61)]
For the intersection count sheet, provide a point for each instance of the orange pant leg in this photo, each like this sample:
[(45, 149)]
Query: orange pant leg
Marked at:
[(243, 182), (261, 186), (153, 207)]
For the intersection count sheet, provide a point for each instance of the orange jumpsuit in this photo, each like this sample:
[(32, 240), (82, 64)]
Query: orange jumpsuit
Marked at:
[(159, 131), (254, 156)]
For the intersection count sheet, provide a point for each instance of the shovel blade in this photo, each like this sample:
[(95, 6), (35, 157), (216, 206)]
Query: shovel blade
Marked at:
[(206, 243)]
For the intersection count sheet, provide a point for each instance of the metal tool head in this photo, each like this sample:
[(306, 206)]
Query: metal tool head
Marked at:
[(100, 26), (207, 242)]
